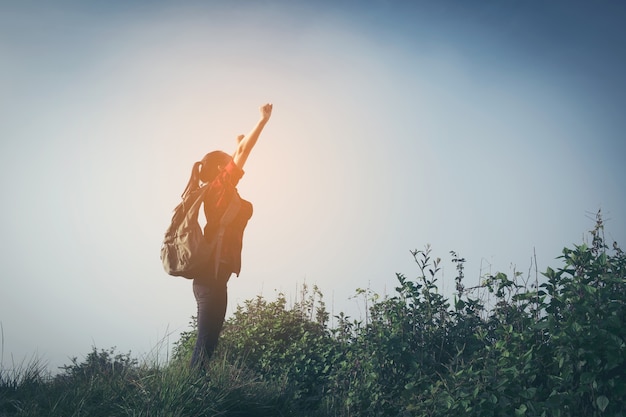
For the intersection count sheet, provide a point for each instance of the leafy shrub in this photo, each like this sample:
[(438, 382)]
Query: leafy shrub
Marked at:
[(284, 345), (555, 349), (558, 349), (97, 364)]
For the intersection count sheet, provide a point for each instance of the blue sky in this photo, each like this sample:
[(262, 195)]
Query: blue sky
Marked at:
[(494, 130)]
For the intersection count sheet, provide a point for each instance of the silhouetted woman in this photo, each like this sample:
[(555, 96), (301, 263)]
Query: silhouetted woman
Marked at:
[(222, 172)]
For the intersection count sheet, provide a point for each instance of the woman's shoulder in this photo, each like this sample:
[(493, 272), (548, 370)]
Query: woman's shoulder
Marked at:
[(233, 171), (229, 176)]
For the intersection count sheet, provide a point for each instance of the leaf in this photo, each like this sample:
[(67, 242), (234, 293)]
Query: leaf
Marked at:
[(602, 402), (528, 393), (521, 410), (589, 289)]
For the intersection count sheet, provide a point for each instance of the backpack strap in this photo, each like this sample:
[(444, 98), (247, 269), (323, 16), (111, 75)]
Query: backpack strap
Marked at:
[(227, 218)]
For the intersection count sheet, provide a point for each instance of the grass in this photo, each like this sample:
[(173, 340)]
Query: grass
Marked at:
[(116, 385)]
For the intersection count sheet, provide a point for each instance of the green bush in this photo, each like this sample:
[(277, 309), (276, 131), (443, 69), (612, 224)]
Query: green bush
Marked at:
[(511, 346), (289, 346), (555, 349)]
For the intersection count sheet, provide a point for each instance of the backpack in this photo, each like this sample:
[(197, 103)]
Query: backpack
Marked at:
[(185, 252)]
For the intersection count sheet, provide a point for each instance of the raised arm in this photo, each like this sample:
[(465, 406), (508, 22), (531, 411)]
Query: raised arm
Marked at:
[(246, 143)]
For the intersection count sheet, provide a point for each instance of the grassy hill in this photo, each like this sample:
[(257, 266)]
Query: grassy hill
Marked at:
[(556, 348)]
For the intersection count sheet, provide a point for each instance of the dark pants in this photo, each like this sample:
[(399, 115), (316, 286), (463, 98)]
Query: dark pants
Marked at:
[(212, 299)]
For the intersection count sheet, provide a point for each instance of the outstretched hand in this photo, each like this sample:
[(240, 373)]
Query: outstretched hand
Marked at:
[(266, 111)]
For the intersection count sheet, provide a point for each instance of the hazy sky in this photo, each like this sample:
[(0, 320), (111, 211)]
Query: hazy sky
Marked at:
[(495, 130)]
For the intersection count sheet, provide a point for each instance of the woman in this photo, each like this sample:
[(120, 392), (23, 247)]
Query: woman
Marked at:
[(222, 172)]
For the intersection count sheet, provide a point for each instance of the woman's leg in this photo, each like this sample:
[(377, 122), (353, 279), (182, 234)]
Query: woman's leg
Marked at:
[(212, 300)]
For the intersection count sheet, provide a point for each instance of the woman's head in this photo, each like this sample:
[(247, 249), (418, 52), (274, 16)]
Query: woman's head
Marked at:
[(207, 169), (211, 165)]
